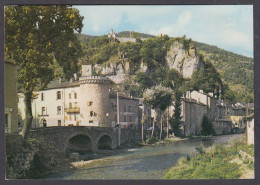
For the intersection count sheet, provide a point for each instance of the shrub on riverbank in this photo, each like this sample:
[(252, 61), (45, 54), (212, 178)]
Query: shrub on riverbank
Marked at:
[(216, 163)]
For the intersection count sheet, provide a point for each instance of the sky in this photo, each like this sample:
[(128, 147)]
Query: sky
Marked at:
[(227, 26)]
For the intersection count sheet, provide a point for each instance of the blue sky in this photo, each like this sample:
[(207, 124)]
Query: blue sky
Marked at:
[(227, 26)]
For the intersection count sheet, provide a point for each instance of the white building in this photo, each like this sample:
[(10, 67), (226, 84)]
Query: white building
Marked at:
[(87, 101)]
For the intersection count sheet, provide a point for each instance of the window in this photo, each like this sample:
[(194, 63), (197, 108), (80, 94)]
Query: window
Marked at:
[(58, 95), (70, 105), (90, 103), (75, 95), (124, 108), (130, 118), (91, 113), (70, 117), (44, 122), (69, 95), (125, 119), (91, 121), (42, 96), (129, 108), (75, 117), (59, 110), (43, 111), (59, 123)]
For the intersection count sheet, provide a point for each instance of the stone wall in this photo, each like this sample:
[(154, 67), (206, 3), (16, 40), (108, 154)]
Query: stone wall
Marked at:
[(130, 137), (222, 126), (250, 131), (19, 156)]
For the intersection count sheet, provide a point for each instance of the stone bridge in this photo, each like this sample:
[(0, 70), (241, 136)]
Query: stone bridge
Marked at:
[(83, 139), (77, 139)]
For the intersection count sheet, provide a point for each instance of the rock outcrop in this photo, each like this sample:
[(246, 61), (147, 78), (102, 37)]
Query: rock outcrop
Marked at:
[(184, 61), (117, 72)]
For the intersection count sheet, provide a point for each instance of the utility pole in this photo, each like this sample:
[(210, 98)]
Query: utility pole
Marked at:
[(167, 122), (118, 118)]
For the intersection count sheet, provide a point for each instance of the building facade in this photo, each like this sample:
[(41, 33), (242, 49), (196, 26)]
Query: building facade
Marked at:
[(84, 101), (10, 90), (197, 104)]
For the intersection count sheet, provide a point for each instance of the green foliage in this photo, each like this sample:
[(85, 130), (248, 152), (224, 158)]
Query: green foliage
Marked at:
[(144, 81), (234, 69), (207, 79), (130, 51), (214, 164), (158, 97), (35, 37), (207, 127), (153, 51), (127, 34)]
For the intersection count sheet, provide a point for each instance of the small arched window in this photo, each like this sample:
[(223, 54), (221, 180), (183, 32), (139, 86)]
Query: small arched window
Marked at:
[(59, 110), (58, 95)]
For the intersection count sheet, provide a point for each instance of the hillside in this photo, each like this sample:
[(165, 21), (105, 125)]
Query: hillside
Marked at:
[(142, 35), (235, 70)]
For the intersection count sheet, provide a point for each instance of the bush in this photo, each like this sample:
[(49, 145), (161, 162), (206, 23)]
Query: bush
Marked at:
[(207, 127), (213, 164)]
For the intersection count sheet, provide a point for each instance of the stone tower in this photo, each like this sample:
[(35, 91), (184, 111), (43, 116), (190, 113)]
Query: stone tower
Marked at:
[(94, 100)]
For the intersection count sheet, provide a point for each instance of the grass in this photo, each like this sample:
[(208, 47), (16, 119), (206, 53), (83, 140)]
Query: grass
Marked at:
[(215, 163)]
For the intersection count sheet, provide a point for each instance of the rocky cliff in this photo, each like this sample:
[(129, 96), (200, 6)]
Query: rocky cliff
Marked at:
[(184, 61)]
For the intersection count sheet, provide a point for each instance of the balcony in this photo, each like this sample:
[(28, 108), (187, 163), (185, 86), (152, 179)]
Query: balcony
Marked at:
[(72, 109)]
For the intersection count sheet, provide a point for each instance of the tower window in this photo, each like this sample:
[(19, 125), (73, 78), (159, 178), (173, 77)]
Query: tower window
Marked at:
[(58, 95), (59, 110), (59, 123), (69, 95), (90, 103), (91, 113), (43, 111), (75, 95)]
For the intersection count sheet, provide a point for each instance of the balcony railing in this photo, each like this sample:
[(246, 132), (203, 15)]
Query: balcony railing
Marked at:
[(72, 109)]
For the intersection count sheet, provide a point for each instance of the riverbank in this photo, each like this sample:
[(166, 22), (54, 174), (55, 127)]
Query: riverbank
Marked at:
[(150, 161), (233, 161)]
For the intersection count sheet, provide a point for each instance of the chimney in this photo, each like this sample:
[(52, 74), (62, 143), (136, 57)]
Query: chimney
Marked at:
[(87, 70)]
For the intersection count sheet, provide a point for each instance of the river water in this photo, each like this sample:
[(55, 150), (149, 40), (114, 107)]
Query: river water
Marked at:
[(148, 162)]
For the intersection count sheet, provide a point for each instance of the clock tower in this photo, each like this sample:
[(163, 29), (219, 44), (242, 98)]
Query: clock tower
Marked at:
[(87, 70)]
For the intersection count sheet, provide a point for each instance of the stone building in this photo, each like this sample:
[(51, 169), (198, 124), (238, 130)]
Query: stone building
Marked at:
[(113, 35), (84, 101), (10, 90), (197, 104)]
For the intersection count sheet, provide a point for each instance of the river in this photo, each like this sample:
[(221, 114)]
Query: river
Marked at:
[(148, 162)]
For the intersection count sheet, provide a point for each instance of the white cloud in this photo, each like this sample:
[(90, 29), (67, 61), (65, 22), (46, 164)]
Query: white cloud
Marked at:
[(229, 27)]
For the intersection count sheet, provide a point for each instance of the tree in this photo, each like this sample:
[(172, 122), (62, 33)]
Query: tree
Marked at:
[(130, 51), (35, 36), (175, 81), (158, 97), (207, 127)]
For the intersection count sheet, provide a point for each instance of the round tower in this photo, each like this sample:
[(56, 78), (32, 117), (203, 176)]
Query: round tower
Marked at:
[(94, 99)]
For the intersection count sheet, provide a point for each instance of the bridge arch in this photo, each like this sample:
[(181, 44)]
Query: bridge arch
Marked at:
[(105, 142), (80, 143)]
